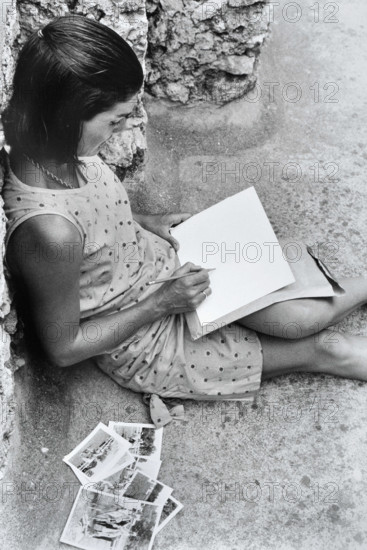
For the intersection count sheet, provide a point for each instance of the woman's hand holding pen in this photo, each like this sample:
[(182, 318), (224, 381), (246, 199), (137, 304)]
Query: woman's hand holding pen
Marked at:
[(186, 293)]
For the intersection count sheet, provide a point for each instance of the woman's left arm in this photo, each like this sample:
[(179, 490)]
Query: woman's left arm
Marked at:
[(160, 224)]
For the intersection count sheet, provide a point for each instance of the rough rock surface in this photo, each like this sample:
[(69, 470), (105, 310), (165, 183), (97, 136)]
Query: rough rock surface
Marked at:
[(7, 314), (204, 50)]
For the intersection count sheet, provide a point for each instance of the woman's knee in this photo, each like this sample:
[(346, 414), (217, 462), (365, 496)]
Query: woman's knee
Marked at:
[(334, 350), (300, 320), (292, 319), (296, 319)]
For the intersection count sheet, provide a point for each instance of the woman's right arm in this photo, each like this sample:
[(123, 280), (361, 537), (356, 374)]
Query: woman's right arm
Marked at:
[(51, 282)]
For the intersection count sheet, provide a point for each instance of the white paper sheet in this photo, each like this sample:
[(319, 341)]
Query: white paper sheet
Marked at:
[(236, 238)]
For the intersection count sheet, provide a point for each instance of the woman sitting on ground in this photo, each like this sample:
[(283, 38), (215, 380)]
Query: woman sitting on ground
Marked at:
[(84, 259)]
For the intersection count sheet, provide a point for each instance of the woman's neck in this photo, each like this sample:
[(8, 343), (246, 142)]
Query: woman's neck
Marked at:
[(36, 176)]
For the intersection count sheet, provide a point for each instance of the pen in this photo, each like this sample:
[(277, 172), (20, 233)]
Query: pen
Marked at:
[(177, 277)]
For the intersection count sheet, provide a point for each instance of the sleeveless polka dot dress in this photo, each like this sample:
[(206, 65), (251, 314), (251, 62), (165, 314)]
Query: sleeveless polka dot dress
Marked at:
[(119, 260)]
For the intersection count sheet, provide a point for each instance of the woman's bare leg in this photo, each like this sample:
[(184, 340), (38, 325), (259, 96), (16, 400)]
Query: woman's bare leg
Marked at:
[(303, 317), (330, 352)]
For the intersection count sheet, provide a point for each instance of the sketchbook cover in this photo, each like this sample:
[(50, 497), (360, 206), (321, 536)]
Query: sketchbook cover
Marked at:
[(252, 268), (236, 238)]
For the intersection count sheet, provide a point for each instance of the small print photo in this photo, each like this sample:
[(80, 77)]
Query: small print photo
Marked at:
[(123, 462), (99, 521), (117, 481), (97, 455), (170, 509), (142, 487), (149, 466), (145, 439)]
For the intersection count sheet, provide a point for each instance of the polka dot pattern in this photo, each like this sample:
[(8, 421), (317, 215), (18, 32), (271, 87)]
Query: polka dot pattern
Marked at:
[(119, 260)]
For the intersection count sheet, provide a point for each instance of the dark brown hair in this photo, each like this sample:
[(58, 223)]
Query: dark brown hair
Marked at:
[(73, 70)]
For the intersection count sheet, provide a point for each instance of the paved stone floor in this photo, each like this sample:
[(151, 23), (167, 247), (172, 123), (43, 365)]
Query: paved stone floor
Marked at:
[(289, 473)]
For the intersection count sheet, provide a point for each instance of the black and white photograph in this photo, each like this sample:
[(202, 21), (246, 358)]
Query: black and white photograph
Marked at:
[(137, 486), (98, 454), (183, 277), (148, 466), (142, 487), (120, 479), (170, 509), (99, 521), (145, 439)]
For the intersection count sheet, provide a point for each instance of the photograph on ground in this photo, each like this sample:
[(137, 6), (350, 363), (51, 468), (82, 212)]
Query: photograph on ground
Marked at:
[(99, 521), (170, 509), (142, 487), (144, 439), (97, 455)]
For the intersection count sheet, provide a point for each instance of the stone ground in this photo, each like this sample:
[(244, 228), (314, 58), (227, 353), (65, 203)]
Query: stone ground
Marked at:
[(289, 473)]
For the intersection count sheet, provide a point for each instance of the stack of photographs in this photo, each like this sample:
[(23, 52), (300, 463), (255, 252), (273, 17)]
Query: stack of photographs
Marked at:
[(121, 504)]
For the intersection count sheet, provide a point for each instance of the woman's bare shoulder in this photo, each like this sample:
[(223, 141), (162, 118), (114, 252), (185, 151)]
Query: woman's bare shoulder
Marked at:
[(45, 237)]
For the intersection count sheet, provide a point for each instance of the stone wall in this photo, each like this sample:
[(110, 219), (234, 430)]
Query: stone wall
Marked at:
[(204, 50), (8, 321)]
